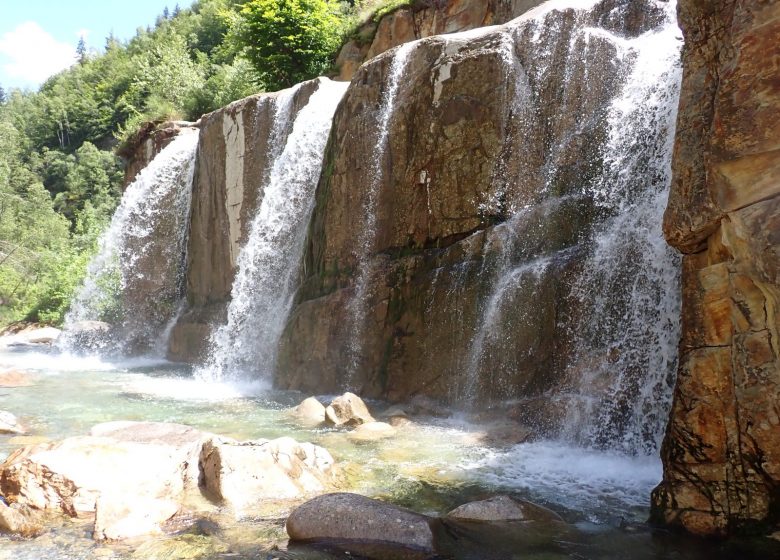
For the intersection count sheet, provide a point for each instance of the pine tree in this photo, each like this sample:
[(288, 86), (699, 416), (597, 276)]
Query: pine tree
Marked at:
[(81, 50), (176, 11), (111, 41), (166, 13), (3, 96)]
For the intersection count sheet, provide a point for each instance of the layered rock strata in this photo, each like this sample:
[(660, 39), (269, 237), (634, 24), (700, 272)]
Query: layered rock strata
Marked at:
[(721, 454)]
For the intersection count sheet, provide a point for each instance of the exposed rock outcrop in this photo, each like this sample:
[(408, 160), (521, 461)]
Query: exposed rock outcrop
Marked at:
[(233, 156), (478, 120), (147, 143), (722, 449), (423, 18)]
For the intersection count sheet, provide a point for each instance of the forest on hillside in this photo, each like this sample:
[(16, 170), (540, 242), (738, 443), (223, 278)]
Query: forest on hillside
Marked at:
[(60, 172)]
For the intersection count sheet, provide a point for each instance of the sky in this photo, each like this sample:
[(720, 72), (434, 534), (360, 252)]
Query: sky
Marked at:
[(38, 38)]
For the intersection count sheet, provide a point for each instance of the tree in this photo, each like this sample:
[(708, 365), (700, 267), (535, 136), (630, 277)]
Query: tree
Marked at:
[(3, 96), (81, 51), (288, 41), (176, 11), (166, 14)]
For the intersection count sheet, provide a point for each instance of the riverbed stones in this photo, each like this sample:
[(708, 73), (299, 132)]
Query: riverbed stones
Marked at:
[(504, 508), (348, 410), (372, 431), (20, 520), (310, 412), (121, 459), (9, 424), (352, 517), (124, 517), (12, 378), (240, 474)]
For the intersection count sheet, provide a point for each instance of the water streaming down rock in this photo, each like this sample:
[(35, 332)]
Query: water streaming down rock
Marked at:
[(365, 244), (626, 355), (268, 263), (625, 296), (135, 282)]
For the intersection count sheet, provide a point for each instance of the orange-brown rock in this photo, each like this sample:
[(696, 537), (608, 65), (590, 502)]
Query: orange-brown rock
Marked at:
[(721, 453), (423, 18)]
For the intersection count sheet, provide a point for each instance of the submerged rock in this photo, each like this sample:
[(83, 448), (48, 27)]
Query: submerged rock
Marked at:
[(242, 473), (372, 431), (19, 520), (310, 412), (504, 508), (352, 517), (123, 517), (348, 410), (9, 424), (15, 378)]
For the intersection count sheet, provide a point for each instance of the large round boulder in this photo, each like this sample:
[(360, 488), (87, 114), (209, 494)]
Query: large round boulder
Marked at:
[(352, 517)]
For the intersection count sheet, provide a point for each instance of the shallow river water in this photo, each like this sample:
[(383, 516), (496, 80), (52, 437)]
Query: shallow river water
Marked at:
[(430, 466)]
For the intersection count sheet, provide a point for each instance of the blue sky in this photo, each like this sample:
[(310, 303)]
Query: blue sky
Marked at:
[(38, 38)]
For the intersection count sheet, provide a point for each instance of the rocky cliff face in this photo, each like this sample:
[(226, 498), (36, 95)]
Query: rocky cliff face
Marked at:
[(424, 18), (492, 142), (233, 155), (722, 449)]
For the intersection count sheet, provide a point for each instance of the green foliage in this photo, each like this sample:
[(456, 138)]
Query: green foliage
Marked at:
[(60, 180), (288, 41)]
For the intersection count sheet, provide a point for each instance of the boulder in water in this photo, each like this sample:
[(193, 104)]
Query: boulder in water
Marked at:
[(123, 459), (19, 519), (242, 473), (352, 517), (124, 517), (9, 424), (348, 410), (310, 412), (371, 431), (504, 508)]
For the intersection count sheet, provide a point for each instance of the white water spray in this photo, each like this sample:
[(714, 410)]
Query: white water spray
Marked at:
[(135, 281), (268, 263)]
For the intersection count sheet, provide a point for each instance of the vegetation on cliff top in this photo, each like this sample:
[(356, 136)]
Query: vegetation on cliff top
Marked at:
[(60, 179)]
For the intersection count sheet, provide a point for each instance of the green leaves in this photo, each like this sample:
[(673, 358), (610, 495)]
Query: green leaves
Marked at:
[(288, 41)]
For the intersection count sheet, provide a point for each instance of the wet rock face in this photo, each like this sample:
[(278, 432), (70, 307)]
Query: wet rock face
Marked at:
[(233, 156), (424, 19), (722, 449), (477, 122)]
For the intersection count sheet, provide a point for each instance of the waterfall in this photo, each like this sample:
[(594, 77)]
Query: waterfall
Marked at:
[(365, 245), (626, 354), (268, 263), (619, 371), (135, 281)]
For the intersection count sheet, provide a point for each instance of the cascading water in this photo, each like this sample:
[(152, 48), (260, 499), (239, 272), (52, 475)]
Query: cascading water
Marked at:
[(366, 237), (629, 286), (268, 263), (135, 281), (619, 377)]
